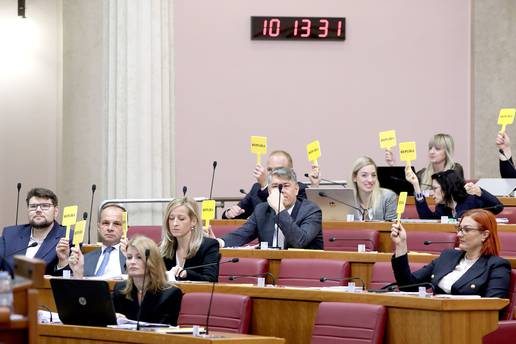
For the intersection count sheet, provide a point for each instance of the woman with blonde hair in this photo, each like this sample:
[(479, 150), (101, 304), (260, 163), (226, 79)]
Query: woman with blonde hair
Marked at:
[(376, 203), (146, 291), (184, 243)]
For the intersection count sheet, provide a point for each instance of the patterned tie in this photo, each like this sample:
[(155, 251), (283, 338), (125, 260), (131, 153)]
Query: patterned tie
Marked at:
[(105, 261)]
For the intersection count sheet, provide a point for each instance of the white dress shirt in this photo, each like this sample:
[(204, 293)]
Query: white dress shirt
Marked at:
[(460, 269), (113, 267)]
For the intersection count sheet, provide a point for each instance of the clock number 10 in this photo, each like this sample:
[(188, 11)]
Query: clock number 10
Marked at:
[(302, 28)]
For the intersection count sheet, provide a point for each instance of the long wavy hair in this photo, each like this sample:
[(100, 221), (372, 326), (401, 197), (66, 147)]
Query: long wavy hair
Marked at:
[(441, 141)]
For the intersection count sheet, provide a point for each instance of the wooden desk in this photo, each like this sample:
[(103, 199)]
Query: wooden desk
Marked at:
[(290, 313), (93, 335)]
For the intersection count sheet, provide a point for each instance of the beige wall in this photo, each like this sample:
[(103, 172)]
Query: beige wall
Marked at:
[(30, 101)]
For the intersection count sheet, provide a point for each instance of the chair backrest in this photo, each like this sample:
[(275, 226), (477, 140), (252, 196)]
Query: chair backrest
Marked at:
[(509, 213), (505, 333), (339, 322), (245, 266), (229, 312), (415, 241), (508, 244), (348, 239), (151, 232), (509, 310), (308, 272), (221, 230), (382, 274), (410, 212)]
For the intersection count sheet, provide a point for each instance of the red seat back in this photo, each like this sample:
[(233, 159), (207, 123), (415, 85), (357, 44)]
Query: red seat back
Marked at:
[(410, 212), (245, 266), (382, 274), (505, 334), (151, 232), (308, 272), (339, 322), (348, 239), (509, 310), (221, 230), (229, 313), (415, 241), (508, 244), (509, 213)]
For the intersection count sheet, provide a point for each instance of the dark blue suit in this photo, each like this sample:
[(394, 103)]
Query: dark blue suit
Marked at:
[(256, 196), (488, 277), (302, 229), (91, 259), (16, 238)]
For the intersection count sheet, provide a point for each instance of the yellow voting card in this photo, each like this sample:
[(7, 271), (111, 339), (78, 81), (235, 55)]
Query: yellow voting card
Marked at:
[(313, 149), (407, 151), (506, 117), (258, 147), (402, 201), (78, 232), (69, 218), (124, 224), (387, 139), (208, 210)]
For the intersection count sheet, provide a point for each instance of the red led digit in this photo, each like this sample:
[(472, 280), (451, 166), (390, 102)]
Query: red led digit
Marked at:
[(323, 29), (296, 25), (264, 31), (274, 22), (339, 28), (306, 28)]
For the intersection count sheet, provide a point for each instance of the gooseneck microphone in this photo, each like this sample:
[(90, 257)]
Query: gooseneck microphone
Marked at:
[(147, 253), (431, 242), (3, 259), (230, 260), (235, 277), (324, 279), (242, 191), (213, 177), (331, 182), (93, 188), (360, 210), (18, 187), (184, 190), (358, 240), (280, 189), (423, 284)]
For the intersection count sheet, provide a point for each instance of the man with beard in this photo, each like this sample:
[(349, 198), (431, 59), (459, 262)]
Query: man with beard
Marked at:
[(42, 229)]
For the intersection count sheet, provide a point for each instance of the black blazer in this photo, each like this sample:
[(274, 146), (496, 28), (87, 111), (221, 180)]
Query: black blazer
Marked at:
[(507, 169), (208, 253), (162, 307), (489, 277)]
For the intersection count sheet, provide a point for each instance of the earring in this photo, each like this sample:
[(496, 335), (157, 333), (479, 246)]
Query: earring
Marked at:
[(193, 227)]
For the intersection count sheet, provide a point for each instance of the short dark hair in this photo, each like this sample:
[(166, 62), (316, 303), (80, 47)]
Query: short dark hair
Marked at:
[(42, 193), (109, 205)]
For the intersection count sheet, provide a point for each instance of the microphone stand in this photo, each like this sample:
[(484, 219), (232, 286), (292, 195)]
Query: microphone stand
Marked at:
[(280, 189), (359, 240), (233, 278), (147, 252), (360, 210), (93, 188)]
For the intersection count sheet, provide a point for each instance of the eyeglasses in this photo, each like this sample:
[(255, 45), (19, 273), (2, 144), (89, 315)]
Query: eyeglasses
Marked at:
[(466, 229), (43, 206)]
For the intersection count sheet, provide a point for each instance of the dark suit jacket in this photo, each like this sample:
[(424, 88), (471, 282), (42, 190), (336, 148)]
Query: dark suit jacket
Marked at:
[(302, 229), (507, 169), (471, 202), (91, 259), (256, 196), (162, 307), (488, 277), (17, 238), (208, 253)]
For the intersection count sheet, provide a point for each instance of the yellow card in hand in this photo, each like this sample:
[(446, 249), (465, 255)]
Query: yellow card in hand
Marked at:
[(69, 218), (505, 118), (387, 139), (208, 211), (124, 224), (258, 146), (313, 149), (402, 201), (78, 232), (407, 151)]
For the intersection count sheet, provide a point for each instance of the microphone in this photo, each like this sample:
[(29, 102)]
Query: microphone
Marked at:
[(493, 208), (280, 189), (324, 279), (147, 253), (242, 191), (4, 257), (231, 260), (385, 289), (323, 194), (423, 284), (430, 242), (84, 216), (18, 187), (213, 177), (93, 188), (184, 190), (232, 278), (333, 239), (328, 181)]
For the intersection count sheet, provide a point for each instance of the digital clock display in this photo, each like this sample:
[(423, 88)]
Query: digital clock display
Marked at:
[(298, 28)]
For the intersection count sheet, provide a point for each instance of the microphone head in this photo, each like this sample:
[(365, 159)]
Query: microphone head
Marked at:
[(235, 260), (427, 242), (18, 186), (322, 279), (332, 239), (147, 253), (84, 215), (306, 175), (93, 187), (280, 187), (184, 190), (242, 191), (232, 278), (214, 164), (322, 194), (34, 244)]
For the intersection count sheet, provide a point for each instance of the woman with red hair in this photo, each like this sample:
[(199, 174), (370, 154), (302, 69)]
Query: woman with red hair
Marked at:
[(473, 269)]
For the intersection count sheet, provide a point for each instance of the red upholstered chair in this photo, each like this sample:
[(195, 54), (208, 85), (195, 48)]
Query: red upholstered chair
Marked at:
[(508, 243), (415, 241), (509, 310), (221, 230), (348, 239), (229, 313), (308, 272), (245, 266), (152, 232), (339, 322), (410, 212), (382, 274), (509, 213), (505, 334)]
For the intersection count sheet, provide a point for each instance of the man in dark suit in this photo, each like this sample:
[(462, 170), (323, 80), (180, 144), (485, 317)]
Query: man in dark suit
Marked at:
[(42, 229), (299, 220), (259, 191), (109, 260)]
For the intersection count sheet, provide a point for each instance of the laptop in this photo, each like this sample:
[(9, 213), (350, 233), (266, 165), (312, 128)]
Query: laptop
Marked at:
[(83, 302), (393, 178), (335, 202)]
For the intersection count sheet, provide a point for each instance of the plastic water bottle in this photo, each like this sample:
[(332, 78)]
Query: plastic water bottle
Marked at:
[(6, 290)]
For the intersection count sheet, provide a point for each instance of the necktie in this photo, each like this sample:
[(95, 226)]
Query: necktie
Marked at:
[(105, 260)]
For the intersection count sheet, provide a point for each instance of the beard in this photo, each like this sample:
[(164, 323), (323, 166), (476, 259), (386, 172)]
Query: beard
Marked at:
[(41, 224)]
